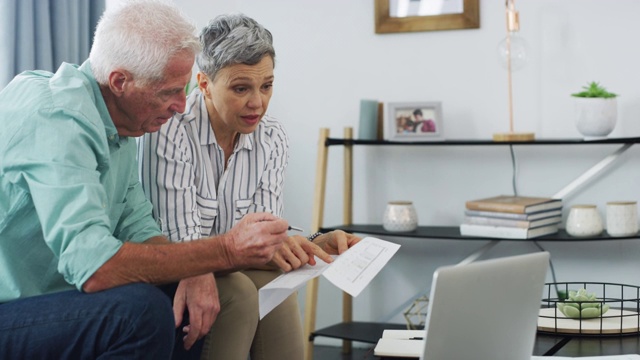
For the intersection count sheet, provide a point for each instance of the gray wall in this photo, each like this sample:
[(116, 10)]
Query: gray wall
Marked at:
[(328, 58)]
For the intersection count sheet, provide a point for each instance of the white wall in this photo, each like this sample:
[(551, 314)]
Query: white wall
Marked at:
[(328, 58)]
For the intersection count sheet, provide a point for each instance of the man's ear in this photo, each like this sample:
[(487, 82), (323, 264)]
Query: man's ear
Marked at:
[(118, 81)]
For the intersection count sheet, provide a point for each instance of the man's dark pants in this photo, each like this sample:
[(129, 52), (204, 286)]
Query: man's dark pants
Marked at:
[(128, 322)]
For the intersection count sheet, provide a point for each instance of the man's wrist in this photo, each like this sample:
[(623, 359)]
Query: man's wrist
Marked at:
[(222, 244)]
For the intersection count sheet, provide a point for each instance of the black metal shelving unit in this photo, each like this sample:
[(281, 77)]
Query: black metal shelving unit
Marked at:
[(370, 332), (476, 142), (453, 233)]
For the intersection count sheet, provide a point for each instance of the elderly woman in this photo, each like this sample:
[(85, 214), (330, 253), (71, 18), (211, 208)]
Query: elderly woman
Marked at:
[(207, 168)]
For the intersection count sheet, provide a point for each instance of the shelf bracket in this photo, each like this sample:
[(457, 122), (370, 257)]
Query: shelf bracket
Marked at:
[(593, 171), (476, 254)]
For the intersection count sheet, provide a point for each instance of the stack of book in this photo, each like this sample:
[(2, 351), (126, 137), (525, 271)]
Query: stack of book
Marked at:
[(512, 217)]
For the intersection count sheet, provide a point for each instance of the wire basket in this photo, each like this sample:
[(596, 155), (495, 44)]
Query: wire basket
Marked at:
[(622, 318)]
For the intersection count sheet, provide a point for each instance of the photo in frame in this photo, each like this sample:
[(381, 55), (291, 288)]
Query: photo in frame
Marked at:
[(414, 121), (398, 16)]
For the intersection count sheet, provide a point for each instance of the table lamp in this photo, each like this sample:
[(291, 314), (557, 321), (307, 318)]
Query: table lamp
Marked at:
[(513, 55)]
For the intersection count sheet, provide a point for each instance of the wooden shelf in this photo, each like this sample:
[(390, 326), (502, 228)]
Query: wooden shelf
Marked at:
[(453, 233)]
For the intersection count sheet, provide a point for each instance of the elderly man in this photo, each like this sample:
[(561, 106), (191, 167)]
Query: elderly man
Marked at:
[(79, 250)]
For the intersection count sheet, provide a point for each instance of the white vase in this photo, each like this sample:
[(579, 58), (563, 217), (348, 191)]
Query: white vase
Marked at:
[(622, 218), (584, 221), (595, 117), (400, 216)]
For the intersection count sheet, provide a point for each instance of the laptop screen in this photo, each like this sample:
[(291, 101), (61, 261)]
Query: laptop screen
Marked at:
[(486, 309)]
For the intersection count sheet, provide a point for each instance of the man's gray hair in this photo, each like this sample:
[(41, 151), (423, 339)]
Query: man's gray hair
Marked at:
[(140, 37), (233, 39)]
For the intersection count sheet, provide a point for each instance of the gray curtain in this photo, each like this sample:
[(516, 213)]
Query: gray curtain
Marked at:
[(41, 34)]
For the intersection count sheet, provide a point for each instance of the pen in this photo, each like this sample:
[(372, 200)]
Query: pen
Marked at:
[(416, 338), (295, 228)]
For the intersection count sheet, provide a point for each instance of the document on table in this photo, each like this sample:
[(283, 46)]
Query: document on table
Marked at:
[(351, 272), (604, 357)]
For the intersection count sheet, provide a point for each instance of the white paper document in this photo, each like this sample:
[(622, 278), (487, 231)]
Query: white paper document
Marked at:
[(351, 272)]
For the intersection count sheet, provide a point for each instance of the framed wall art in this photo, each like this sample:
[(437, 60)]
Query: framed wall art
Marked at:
[(414, 121), (396, 16)]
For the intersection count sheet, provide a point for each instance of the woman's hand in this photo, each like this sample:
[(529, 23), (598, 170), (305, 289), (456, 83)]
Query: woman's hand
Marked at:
[(298, 251), (336, 242)]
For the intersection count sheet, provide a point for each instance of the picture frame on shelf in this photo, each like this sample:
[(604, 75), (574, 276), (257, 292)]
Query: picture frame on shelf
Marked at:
[(414, 121)]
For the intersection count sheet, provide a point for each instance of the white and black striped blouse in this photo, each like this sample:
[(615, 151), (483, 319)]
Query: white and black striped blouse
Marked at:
[(183, 174)]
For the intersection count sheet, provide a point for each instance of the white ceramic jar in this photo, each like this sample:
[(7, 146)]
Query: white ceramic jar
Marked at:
[(584, 221), (400, 216), (622, 218)]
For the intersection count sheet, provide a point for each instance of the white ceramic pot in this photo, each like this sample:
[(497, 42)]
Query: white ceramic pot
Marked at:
[(622, 218), (595, 117), (400, 216), (584, 221)]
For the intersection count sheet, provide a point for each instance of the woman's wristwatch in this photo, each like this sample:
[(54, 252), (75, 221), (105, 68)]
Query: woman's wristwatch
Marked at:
[(313, 236)]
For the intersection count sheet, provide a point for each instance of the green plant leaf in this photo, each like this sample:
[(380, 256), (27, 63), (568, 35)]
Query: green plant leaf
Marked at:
[(582, 307), (594, 90)]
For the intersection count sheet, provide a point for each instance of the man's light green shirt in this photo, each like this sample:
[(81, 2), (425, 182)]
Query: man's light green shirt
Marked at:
[(69, 188)]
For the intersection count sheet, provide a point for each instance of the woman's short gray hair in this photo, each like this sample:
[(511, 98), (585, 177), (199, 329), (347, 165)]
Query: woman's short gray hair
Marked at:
[(140, 37), (233, 39)]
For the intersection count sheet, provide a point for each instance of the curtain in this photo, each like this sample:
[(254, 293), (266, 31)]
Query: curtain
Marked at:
[(41, 34)]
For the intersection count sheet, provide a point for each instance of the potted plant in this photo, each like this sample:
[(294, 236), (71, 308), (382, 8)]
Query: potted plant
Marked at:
[(596, 111)]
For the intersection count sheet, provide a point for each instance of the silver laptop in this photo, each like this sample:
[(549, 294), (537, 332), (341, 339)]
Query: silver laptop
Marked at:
[(486, 310)]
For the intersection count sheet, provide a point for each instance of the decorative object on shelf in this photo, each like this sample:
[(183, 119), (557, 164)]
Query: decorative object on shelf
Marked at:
[(400, 216), (368, 126), (416, 314), (582, 305), (393, 16), (603, 309), (596, 111), (414, 121), (584, 221), (513, 55), (622, 218)]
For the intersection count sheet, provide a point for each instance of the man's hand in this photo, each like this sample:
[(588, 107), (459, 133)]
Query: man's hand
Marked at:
[(336, 242), (198, 294), (254, 240)]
